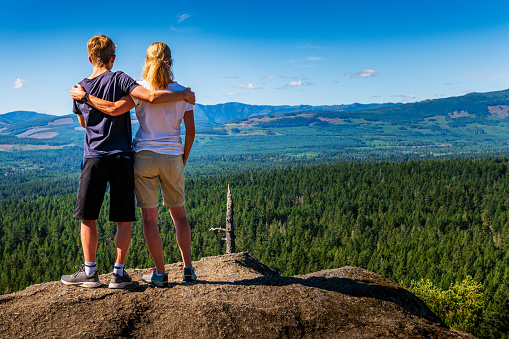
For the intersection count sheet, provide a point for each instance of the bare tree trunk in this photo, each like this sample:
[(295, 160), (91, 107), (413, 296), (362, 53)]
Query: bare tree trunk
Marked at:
[(230, 235)]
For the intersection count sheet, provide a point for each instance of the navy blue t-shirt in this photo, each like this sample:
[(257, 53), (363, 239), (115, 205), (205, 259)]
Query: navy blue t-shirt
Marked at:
[(106, 135)]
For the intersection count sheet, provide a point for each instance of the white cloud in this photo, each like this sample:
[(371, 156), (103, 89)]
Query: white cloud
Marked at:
[(294, 83), (303, 62), (248, 86), (19, 83), (230, 94), (182, 17), (365, 73), (308, 45), (405, 97)]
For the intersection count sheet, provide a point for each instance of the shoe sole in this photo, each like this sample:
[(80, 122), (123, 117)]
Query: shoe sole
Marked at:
[(155, 282), (119, 285), (82, 284), (189, 279)]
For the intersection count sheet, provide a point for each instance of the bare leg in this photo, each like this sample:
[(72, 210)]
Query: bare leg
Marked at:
[(152, 237), (183, 232), (89, 239), (122, 241)]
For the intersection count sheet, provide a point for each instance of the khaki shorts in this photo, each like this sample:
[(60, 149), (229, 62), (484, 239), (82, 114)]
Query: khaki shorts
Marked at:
[(152, 168)]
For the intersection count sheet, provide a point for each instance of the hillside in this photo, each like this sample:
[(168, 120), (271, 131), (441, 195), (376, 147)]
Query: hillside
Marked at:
[(473, 124), (229, 111), (20, 116), (236, 296)]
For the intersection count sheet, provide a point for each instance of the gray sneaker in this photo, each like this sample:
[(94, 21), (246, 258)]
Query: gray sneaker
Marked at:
[(118, 281), (80, 278), (189, 274)]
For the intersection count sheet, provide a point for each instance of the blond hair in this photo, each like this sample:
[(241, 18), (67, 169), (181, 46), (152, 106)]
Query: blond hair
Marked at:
[(100, 50), (157, 71)]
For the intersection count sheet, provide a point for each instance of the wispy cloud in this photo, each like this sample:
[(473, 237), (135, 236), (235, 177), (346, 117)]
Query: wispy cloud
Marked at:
[(269, 77), (296, 84), (304, 62), (248, 86), (19, 83), (182, 17), (187, 30), (231, 94), (404, 97), (308, 45), (231, 77), (365, 73), (174, 29)]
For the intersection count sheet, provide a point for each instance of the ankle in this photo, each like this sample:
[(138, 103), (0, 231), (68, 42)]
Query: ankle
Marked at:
[(90, 267), (118, 269)]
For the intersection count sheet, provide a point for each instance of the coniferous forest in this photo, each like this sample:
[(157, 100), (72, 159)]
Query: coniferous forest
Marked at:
[(441, 220)]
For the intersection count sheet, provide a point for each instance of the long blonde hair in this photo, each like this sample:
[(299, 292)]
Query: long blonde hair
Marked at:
[(157, 70)]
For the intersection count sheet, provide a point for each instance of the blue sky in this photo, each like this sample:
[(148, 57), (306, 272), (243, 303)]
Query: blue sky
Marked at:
[(262, 52)]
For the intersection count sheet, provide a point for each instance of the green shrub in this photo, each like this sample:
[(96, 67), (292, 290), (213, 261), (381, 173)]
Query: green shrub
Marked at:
[(459, 307)]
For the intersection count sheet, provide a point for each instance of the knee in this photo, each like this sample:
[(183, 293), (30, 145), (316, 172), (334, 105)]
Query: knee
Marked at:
[(150, 215)]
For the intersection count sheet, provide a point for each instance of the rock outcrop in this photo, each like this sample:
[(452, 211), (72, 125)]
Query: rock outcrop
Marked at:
[(236, 296)]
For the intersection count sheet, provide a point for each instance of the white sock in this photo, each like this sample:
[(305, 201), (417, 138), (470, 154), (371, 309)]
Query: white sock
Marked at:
[(118, 269), (90, 267)]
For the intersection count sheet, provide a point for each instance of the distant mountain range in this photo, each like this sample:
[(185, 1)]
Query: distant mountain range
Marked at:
[(473, 123), (235, 110), (20, 116)]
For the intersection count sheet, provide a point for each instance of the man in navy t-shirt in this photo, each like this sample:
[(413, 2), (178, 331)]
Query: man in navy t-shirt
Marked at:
[(108, 160)]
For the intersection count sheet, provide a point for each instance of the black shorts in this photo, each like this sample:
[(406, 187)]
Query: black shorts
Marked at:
[(96, 173)]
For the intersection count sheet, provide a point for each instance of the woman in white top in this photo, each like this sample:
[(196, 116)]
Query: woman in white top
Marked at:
[(159, 157)]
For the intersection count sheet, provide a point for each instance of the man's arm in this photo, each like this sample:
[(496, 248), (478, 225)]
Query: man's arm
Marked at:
[(190, 132), (162, 97), (119, 107), (81, 119)]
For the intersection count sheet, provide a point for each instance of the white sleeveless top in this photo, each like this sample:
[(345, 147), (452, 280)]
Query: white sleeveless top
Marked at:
[(159, 129)]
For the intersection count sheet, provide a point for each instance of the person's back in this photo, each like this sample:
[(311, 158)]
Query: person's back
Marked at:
[(105, 134), (159, 124)]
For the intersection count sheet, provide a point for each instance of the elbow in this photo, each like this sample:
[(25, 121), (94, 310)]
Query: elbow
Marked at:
[(109, 111), (151, 98)]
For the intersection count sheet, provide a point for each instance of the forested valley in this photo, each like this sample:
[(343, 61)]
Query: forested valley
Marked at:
[(441, 220)]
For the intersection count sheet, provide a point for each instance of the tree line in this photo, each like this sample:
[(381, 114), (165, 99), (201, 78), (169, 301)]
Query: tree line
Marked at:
[(437, 220)]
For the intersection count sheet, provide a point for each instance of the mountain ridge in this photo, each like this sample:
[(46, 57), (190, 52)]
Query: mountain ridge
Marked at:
[(234, 110), (470, 124)]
